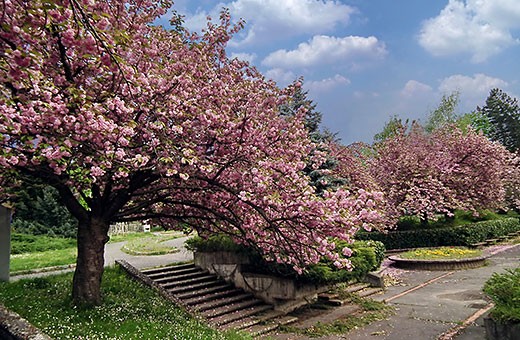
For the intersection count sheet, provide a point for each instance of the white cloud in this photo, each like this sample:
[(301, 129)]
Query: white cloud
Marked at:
[(273, 19), (326, 84), (322, 49), (502, 13), (413, 88), (481, 28), (249, 57), (474, 87), (281, 76)]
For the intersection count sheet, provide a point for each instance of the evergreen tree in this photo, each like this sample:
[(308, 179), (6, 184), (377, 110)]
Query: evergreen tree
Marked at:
[(320, 176), (503, 113), (39, 212)]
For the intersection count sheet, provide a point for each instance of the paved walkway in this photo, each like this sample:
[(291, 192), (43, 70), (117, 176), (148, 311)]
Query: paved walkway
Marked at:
[(440, 304), (429, 304), (113, 252)]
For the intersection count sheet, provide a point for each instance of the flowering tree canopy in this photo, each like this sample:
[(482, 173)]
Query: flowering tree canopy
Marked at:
[(425, 174), (131, 121)]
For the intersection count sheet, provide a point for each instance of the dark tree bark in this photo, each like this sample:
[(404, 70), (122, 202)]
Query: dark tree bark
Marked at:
[(92, 237)]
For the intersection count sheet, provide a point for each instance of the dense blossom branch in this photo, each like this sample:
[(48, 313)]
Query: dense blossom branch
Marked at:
[(131, 120)]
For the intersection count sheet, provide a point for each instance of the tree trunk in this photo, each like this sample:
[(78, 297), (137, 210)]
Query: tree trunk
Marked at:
[(86, 285)]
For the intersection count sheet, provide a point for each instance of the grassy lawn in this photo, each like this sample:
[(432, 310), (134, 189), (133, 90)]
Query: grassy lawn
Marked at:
[(30, 252), (129, 311), (442, 253), (151, 244), (43, 259)]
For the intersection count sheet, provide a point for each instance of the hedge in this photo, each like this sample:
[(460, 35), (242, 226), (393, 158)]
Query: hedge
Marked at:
[(463, 235), (366, 256), (504, 290)]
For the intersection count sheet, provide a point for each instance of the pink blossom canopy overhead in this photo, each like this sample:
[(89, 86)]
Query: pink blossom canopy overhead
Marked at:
[(131, 121)]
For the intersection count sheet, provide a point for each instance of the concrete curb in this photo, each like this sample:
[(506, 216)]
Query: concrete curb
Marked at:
[(14, 327)]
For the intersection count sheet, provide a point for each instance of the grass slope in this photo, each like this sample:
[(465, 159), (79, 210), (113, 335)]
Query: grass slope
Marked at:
[(129, 311)]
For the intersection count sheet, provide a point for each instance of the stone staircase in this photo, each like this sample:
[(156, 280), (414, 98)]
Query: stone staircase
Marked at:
[(361, 290), (223, 305)]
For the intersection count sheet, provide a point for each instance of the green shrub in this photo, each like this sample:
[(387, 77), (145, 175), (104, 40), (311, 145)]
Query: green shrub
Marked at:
[(504, 290), (462, 235), (38, 211), (217, 242), (366, 256), (23, 243)]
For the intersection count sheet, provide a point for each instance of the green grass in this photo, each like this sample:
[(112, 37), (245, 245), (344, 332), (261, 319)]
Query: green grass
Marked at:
[(129, 311), (151, 244), (23, 243), (170, 235), (49, 258), (441, 253), (29, 252)]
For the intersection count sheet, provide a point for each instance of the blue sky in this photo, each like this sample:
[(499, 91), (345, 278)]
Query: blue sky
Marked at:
[(364, 61)]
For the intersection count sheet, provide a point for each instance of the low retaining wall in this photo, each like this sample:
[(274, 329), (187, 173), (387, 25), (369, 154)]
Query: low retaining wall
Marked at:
[(457, 264), (502, 330), (285, 294), (14, 327)]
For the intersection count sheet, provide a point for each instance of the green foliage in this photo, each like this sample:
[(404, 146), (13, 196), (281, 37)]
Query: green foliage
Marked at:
[(459, 217), (366, 256), (129, 311), (23, 243), (39, 212), (300, 101), (216, 242), (393, 127), (476, 120), (504, 290), (462, 235), (444, 114), (503, 113)]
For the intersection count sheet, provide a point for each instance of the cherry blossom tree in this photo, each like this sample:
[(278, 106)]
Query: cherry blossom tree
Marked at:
[(130, 121), (425, 174)]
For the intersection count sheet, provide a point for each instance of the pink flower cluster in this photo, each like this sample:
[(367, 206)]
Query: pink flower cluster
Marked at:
[(132, 121)]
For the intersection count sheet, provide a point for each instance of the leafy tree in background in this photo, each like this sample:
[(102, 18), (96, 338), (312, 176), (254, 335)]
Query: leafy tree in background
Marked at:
[(392, 128), (444, 114), (130, 121), (503, 114), (39, 212), (424, 174)]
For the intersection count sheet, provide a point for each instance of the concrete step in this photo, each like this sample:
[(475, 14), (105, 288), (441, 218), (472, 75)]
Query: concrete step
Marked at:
[(188, 282), (369, 292), (252, 320), (173, 267), (237, 306), (260, 329), (195, 295), (237, 315), (356, 287), (215, 303), (164, 273), (222, 304), (172, 278), (194, 287)]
